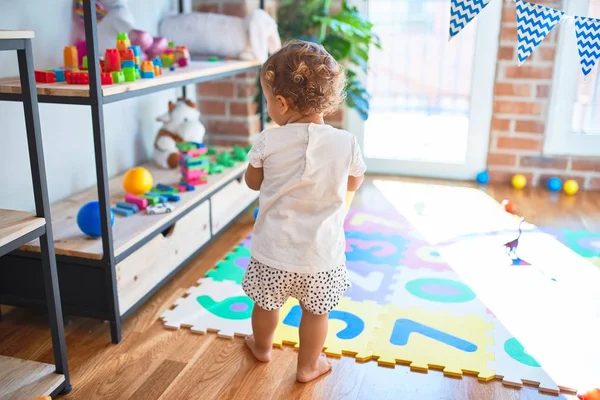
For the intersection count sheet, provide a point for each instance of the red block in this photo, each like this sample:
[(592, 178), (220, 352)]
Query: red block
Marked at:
[(106, 78), (127, 55), (45, 76), (77, 78), (112, 60)]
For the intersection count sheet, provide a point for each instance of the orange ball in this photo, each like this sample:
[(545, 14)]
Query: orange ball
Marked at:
[(137, 181)]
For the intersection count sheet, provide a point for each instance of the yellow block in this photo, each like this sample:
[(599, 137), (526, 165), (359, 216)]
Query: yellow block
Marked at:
[(422, 352)]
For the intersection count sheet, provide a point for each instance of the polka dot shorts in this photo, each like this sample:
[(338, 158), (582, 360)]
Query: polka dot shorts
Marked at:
[(270, 288)]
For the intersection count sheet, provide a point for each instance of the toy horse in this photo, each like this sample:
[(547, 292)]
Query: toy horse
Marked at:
[(511, 247)]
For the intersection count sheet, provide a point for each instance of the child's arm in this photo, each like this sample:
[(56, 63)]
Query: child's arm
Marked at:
[(254, 177), (255, 173), (356, 174)]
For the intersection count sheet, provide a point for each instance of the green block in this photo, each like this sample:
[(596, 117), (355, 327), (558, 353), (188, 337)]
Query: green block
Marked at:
[(118, 77), (151, 199), (122, 36), (211, 151), (85, 62), (130, 74), (239, 154), (137, 74), (171, 44), (213, 58), (225, 160), (215, 169), (186, 146)]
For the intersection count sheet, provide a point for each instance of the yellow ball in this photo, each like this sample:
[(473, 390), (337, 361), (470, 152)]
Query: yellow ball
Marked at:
[(519, 181), (571, 187), (137, 180)]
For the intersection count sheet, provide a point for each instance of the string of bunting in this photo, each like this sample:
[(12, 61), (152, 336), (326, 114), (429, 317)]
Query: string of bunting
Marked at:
[(534, 23)]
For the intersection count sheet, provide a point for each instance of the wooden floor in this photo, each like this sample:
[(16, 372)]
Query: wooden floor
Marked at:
[(152, 362)]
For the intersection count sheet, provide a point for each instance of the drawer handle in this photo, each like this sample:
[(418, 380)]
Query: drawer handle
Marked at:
[(169, 231)]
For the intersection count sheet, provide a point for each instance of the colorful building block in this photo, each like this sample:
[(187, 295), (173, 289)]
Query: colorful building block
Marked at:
[(77, 78), (112, 60), (118, 77), (173, 197), (127, 64), (157, 62), (187, 186), (106, 78), (129, 74), (129, 206), (147, 74), (182, 56), (157, 71), (125, 212), (70, 58), (84, 62), (123, 42), (161, 198), (152, 200), (167, 60), (45, 76), (180, 188), (165, 188), (127, 55), (59, 74), (138, 201)]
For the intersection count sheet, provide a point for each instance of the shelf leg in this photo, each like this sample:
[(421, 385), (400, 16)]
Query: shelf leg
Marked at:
[(91, 37), (42, 207)]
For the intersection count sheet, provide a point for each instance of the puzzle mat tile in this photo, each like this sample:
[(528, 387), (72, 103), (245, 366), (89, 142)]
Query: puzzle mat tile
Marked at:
[(443, 213), (233, 267), (529, 303), (434, 291), (216, 306), (436, 340), (351, 328)]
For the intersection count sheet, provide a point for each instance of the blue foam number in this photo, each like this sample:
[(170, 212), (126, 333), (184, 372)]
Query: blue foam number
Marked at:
[(354, 324), (404, 327)]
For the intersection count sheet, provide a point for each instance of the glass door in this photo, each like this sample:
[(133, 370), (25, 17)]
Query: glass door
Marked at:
[(432, 99)]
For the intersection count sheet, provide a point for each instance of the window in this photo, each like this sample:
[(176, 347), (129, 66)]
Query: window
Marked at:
[(574, 114)]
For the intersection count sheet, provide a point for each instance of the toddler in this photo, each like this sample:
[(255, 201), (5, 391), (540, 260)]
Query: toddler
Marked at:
[(303, 169)]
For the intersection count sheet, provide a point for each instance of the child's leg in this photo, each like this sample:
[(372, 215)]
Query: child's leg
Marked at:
[(263, 328), (311, 361)]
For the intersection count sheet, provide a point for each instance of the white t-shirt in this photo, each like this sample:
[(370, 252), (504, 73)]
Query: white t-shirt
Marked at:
[(300, 225)]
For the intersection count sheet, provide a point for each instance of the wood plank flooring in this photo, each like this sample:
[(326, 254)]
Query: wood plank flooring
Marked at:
[(154, 363)]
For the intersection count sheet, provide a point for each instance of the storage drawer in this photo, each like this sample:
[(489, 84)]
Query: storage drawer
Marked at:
[(150, 264), (229, 202)]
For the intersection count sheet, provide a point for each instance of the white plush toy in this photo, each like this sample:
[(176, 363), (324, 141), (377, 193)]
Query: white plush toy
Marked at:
[(181, 124), (249, 38)]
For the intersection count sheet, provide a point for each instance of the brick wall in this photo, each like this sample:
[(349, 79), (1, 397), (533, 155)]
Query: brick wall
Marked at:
[(227, 106), (521, 102)]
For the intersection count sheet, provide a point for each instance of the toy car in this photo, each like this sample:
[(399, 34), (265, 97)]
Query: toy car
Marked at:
[(160, 208)]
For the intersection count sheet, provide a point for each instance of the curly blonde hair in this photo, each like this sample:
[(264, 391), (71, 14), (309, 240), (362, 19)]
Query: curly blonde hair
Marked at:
[(307, 76)]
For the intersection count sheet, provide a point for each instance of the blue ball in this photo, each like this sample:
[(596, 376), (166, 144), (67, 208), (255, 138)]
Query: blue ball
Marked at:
[(483, 177), (256, 213), (88, 219), (554, 184)]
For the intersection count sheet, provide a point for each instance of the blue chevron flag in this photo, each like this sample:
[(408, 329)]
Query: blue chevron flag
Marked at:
[(534, 22), (462, 12), (587, 31)]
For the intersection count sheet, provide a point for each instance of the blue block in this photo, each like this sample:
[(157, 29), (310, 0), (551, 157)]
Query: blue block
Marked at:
[(161, 198), (157, 62), (137, 50), (199, 145), (122, 211), (60, 75), (147, 74), (172, 68), (127, 64), (189, 187), (129, 206), (164, 188), (173, 197)]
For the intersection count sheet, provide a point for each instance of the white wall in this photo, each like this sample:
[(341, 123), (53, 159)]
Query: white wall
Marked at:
[(130, 125)]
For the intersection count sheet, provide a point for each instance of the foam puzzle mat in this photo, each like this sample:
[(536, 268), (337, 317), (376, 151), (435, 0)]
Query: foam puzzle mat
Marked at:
[(430, 297)]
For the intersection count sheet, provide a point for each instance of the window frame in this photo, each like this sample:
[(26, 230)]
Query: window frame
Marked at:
[(560, 138)]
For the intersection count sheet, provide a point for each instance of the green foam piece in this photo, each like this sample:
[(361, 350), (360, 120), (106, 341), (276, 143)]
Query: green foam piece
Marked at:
[(224, 309), (215, 169), (211, 151), (238, 252), (239, 154), (225, 160), (227, 271)]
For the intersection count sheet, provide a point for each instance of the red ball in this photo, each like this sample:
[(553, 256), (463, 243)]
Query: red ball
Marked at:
[(508, 206)]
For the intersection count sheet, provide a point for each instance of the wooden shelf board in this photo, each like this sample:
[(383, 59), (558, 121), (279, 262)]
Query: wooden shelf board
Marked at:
[(25, 379), (127, 231), (9, 34), (16, 224), (196, 69)]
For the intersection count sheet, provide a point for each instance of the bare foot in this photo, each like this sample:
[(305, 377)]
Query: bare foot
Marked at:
[(260, 355), (307, 374)]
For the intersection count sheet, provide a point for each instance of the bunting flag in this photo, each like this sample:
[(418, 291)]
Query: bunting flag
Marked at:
[(534, 22), (587, 31), (462, 12)]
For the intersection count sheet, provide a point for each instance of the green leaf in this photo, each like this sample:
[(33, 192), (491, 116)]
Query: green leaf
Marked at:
[(337, 46)]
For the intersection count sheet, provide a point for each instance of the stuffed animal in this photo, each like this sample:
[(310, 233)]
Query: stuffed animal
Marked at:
[(249, 38), (181, 124)]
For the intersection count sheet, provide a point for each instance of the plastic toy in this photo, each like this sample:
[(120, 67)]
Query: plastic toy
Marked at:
[(106, 78), (239, 153), (100, 10), (137, 180), (88, 219), (180, 124), (554, 184), (483, 177), (512, 246), (59, 74), (129, 206), (160, 208), (519, 181), (508, 206), (138, 201), (593, 394), (45, 76), (225, 160), (571, 187), (215, 169), (125, 212), (77, 78), (255, 213), (212, 151), (70, 58)]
